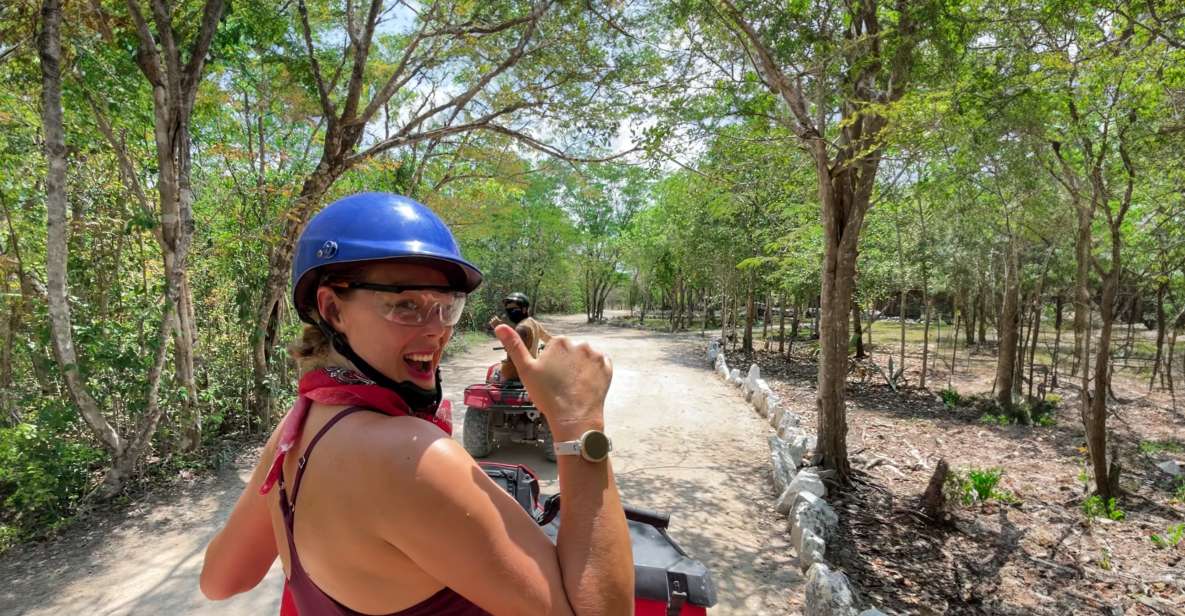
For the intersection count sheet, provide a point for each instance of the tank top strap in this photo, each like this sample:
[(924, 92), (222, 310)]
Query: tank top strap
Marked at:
[(304, 456)]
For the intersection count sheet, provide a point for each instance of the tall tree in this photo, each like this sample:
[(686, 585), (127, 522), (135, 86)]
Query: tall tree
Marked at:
[(175, 71), (848, 62), (451, 73)]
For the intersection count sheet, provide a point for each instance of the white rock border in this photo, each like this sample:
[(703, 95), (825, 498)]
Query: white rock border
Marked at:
[(799, 490)]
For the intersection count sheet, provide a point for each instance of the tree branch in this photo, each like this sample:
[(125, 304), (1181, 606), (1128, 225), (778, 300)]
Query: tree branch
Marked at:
[(773, 76), (197, 59), (326, 105)]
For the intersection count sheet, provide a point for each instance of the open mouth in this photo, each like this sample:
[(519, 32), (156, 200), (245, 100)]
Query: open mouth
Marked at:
[(419, 365)]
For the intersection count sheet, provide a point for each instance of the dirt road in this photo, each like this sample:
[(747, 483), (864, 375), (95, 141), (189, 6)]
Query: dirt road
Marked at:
[(684, 442)]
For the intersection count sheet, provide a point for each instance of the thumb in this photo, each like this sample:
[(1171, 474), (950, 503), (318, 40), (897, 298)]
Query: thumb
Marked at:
[(514, 346)]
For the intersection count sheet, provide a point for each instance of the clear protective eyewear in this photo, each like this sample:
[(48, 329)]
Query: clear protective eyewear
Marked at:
[(412, 304)]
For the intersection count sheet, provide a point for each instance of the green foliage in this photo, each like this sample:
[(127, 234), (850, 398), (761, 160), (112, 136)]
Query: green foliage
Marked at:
[(977, 485), (950, 398), (1152, 448), (463, 341), (993, 419), (1171, 537), (43, 473), (1044, 412), (1095, 507), (1179, 490)]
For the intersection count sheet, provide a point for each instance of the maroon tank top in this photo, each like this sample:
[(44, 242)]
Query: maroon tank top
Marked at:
[(311, 600)]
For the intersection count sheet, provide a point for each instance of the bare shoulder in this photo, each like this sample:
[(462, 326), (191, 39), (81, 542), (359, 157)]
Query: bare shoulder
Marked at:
[(405, 454)]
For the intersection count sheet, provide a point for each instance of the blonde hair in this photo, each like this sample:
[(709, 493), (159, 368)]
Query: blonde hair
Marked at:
[(312, 350)]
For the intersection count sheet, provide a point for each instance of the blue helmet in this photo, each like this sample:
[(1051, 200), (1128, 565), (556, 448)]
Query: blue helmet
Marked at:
[(372, 227)]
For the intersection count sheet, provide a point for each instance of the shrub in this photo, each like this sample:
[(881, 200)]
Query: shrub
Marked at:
[(1172, 536), (984, 481), (1152, 448), (950, 398), (1045, 421), (979, 485), (1095, 507), (996, 420), (43, 473), (1044, 412)]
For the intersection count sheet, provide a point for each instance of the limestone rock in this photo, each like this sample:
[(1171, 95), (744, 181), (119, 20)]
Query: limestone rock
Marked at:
[(713, 352), (749, 385), (781, 469), (776, 411), (762, 395), (805, 481), (797, 446), (734, 377), (813, 513), (872, 611), (828, 593), (1170, 467), (788, 424), (808, 481), (811, 550)]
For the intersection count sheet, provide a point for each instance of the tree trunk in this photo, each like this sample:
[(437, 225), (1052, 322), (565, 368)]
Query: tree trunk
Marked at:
[(736, 318), (1133, 308), (1022, 345), (1167, 375), (1057, 337), (1161, 289), (124, 453), (1097, 431), (1006, 357), (844, 200), (857, 330), (954, 350), (969, 318), (57, 246), (981, 314), (818, 315), (794, 328), (749, 317), (765, 321), (704, 303), (928, 303), (9, 415), (901, 302), (1035, 334), (782, 325), (276, 284)]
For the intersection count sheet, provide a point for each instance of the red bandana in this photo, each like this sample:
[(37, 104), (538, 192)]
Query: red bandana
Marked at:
[(338, 387)]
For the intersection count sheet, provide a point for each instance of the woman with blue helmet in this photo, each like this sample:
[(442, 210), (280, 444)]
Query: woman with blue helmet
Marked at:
[(395, 516)]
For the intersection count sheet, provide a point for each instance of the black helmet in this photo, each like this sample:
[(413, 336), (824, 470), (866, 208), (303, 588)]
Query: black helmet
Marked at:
[(518, 298)]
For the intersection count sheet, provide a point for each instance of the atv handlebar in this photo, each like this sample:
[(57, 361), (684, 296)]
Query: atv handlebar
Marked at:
[(647, 516), (551, 508)]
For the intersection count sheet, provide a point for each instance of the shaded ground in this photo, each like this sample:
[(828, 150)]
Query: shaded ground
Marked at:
[(684, 442), (1036, 556)]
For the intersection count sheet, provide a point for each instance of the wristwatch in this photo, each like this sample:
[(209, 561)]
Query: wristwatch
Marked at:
[(593, 446)]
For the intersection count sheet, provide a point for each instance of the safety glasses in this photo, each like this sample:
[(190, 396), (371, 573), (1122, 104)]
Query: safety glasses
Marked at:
[(411, 305)]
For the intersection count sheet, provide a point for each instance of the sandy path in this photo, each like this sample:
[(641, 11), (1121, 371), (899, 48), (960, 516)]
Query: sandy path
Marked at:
[(684, 442)]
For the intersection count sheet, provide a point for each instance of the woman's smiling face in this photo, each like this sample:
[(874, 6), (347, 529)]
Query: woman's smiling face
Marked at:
[(401, 352)]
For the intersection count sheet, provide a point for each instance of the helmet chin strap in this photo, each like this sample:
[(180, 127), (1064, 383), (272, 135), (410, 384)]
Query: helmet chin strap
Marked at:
[(420, 400)]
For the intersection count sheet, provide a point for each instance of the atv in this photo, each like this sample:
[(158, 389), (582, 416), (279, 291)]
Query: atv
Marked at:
[(667, 581), (500, 409)]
